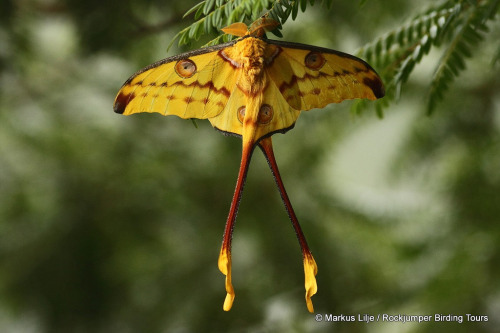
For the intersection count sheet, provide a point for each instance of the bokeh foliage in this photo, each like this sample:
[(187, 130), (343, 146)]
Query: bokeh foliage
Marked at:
[(112, 223)]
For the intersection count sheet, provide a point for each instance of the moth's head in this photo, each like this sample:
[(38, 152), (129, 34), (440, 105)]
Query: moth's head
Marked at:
[(256, 29)]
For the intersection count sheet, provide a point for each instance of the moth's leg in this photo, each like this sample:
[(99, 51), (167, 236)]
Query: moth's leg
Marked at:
[(310, 268)]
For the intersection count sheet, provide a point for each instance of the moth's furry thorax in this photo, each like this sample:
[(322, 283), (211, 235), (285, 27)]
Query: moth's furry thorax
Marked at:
[(247, 55)]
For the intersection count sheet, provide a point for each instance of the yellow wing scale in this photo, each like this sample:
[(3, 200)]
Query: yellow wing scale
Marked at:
[(284, 116), (341, 77), (227, 121), (161, 89)]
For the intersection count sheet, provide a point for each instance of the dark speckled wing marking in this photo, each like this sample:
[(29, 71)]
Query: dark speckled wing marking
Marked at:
[(311, 77)]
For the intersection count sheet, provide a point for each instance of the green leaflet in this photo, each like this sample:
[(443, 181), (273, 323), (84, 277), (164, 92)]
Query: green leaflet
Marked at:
[(212, 15), (456, 26)]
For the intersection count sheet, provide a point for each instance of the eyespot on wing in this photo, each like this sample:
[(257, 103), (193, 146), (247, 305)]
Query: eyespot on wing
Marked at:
[(185, 68)]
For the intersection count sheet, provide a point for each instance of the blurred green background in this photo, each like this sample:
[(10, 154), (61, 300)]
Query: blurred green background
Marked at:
[(113, 224)]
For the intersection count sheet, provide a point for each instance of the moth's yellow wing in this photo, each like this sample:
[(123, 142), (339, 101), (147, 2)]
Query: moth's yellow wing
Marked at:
[(195, 84), (281, 116), (228, 121), (204, 84), (311, 77)]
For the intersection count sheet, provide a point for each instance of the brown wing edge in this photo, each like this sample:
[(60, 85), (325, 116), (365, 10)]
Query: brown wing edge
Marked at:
[(375, 84), (122, 100)]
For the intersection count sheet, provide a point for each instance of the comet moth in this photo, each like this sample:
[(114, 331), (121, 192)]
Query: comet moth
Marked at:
[(251, 87)]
